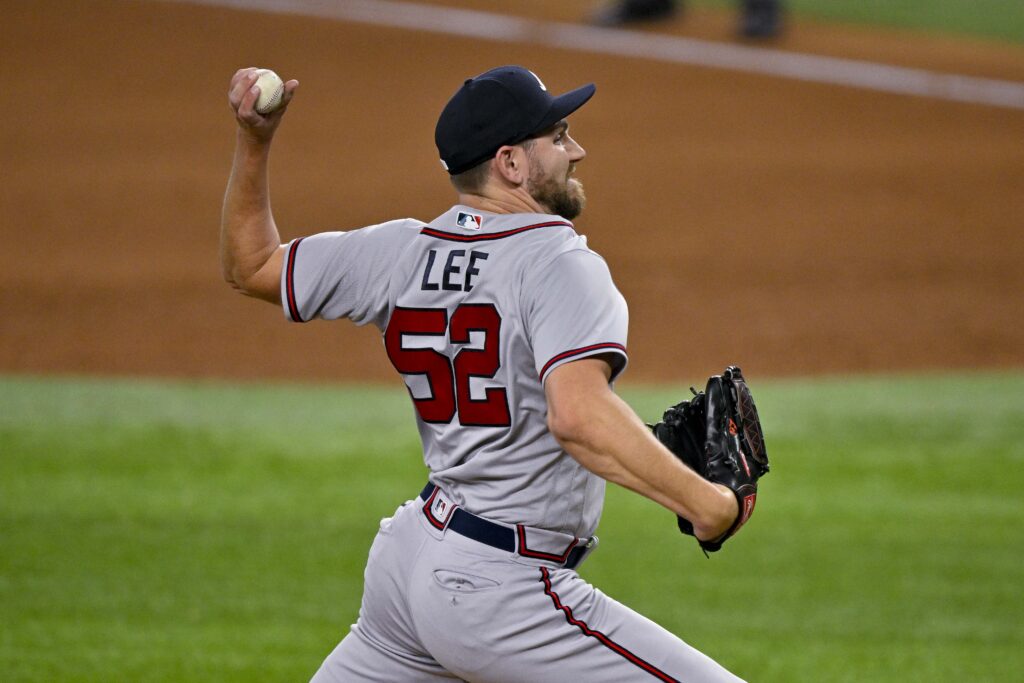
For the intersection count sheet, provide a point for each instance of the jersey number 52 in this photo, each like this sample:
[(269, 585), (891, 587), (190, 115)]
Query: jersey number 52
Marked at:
[(449, 379)]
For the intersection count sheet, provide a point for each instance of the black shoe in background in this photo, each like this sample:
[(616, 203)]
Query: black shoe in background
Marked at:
[(629, 11), (761, 19)]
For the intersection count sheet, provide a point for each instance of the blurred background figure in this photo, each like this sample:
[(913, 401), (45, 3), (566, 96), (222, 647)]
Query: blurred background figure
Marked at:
[(758, 18)]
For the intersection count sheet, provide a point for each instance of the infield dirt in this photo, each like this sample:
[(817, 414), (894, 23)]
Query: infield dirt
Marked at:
[(789, 227)]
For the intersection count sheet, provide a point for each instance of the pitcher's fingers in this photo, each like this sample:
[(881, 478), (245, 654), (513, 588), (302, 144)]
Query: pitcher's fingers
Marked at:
[(247, 105), (242, 71), (240, 85), (289, 91)]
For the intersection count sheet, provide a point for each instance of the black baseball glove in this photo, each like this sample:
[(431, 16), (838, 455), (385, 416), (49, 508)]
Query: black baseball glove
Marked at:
[(717, 433)]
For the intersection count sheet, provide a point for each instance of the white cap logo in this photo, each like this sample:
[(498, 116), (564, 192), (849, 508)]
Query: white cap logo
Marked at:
[(539, 82)]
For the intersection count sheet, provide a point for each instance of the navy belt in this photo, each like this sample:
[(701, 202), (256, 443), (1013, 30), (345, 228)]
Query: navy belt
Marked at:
[(497, 536)]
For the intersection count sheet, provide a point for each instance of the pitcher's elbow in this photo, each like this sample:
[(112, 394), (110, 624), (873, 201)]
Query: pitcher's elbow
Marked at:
[(233, 276), (566, 425)]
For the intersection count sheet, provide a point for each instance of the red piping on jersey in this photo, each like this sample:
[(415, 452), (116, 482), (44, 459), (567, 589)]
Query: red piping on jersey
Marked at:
[(526, 552), (289, 283), (601, 638), (454, 237), (577, 352)]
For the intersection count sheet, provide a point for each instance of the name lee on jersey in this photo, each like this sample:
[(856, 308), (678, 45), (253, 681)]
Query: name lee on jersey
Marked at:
[(457, 273)]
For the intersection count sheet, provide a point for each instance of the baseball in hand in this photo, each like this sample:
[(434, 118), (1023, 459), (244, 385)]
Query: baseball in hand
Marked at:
[(271, 91)]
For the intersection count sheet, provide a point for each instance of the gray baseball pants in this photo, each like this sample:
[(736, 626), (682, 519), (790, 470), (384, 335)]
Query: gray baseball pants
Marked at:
[(438, 606)]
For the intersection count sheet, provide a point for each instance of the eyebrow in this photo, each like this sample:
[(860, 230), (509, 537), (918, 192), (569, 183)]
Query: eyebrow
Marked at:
[(555, 129)]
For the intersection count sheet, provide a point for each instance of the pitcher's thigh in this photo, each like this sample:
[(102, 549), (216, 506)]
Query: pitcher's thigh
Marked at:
[(607, 641), (551, 625)]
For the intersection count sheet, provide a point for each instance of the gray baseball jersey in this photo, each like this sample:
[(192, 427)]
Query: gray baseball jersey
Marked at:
[(477, 309), (475, 580)]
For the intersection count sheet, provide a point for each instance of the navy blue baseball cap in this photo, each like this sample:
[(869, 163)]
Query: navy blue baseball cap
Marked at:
[(499, 107)]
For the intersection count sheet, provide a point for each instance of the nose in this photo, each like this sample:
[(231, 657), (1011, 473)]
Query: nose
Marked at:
[(576, 152)]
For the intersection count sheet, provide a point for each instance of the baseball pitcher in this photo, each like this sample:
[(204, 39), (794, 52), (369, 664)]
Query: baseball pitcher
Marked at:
[(509, 332)]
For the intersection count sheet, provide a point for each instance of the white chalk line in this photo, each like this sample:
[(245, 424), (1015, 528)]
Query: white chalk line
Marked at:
[(671, 49)]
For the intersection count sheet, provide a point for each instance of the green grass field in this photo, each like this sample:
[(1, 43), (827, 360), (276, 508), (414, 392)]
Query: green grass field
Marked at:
[(203, 532), (999, 19)]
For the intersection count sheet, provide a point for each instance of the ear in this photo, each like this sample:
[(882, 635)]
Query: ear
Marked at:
[(511, 163)]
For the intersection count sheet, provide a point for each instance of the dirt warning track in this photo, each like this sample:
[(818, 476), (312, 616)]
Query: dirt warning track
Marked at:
[(792, 227)]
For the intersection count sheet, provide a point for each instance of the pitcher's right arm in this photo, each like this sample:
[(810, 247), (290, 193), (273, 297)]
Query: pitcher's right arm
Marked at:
[(251, 253)]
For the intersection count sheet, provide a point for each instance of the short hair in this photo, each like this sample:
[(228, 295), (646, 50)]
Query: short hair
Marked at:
[(473, 180)]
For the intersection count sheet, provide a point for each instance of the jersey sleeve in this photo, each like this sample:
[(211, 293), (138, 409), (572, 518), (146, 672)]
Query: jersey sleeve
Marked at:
[(575, 311), (343, 274)]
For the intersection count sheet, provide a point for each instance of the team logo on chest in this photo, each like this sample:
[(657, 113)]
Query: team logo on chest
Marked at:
[(469, 221)]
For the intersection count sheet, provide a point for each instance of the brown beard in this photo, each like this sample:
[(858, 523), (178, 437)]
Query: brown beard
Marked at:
[(562, 199)]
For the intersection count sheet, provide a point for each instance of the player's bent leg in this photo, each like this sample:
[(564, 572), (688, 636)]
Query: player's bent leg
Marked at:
[(612, 642), (493, 620)]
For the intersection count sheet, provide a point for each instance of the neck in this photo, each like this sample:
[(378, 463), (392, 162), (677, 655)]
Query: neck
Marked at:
[(507, 201)]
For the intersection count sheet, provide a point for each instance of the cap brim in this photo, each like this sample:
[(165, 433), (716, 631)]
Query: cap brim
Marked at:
[(566, 104)]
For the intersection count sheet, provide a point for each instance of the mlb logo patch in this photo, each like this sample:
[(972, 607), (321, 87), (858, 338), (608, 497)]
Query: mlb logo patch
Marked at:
[(442, 510), (469, 221)]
